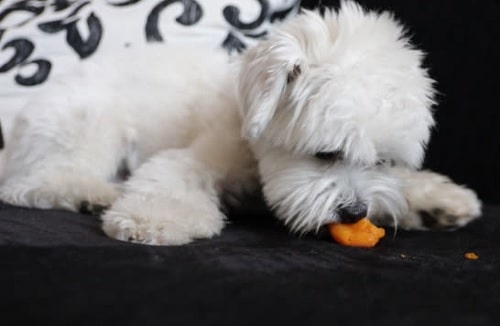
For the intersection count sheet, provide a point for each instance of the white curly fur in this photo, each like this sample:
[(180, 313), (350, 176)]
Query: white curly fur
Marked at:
[(348, 81)]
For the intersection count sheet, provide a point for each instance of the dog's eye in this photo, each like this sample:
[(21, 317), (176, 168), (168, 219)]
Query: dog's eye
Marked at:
[(386, 162), (329, 156)]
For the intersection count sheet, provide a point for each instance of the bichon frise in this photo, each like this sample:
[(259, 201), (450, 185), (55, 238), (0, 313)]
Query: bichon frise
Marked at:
[(328, 118)]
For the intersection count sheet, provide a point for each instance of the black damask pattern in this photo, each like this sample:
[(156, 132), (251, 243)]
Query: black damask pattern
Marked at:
[(84, 48), (121, 3), (23, 49), (34, 8), (232, 15), (80, 10), (191, 15), (251, 29), (60, 5), (233, 43)]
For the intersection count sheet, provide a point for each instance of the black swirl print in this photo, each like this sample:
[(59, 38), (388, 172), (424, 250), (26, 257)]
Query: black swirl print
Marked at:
[(190, 15), (68, 24), (23, 50), (80, 26), (32, 8), (233, 43)]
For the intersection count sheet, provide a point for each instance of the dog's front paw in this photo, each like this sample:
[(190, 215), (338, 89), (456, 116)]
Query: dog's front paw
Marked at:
[(455, 208), (155, 220), (446, 206)]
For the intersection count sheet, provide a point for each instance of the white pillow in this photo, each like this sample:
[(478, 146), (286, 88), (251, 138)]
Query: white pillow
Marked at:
[(40, 40)]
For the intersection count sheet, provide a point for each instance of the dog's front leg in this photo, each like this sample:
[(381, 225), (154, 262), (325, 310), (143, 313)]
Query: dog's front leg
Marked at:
[(170, 200), (434, 201), (174, 197)]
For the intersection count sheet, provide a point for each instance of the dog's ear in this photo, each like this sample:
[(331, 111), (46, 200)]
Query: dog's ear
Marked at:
[(264, 74)]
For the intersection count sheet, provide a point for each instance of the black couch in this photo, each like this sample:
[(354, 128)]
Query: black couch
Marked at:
[(59, 268)]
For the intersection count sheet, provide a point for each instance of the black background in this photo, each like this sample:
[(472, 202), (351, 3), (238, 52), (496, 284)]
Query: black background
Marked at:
[(461, 41)]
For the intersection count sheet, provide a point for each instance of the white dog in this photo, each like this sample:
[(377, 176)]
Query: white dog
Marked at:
[(329, 119)]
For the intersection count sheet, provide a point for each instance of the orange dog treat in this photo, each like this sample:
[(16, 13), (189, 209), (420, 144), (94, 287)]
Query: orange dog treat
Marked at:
[(360, 234), (471, 255)]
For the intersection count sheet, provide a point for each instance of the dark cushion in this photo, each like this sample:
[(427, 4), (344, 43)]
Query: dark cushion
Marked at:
[(59, 267)]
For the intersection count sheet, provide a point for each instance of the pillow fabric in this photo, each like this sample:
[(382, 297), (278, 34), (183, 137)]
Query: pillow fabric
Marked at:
[(40, 40)]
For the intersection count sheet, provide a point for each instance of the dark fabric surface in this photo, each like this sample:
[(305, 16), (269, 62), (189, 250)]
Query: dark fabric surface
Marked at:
[(58, 267)]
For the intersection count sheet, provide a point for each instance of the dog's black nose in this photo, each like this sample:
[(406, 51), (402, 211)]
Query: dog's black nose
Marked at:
[(354, 213)]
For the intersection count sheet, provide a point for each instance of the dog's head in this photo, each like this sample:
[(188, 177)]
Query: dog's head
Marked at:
[(325, 100)]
